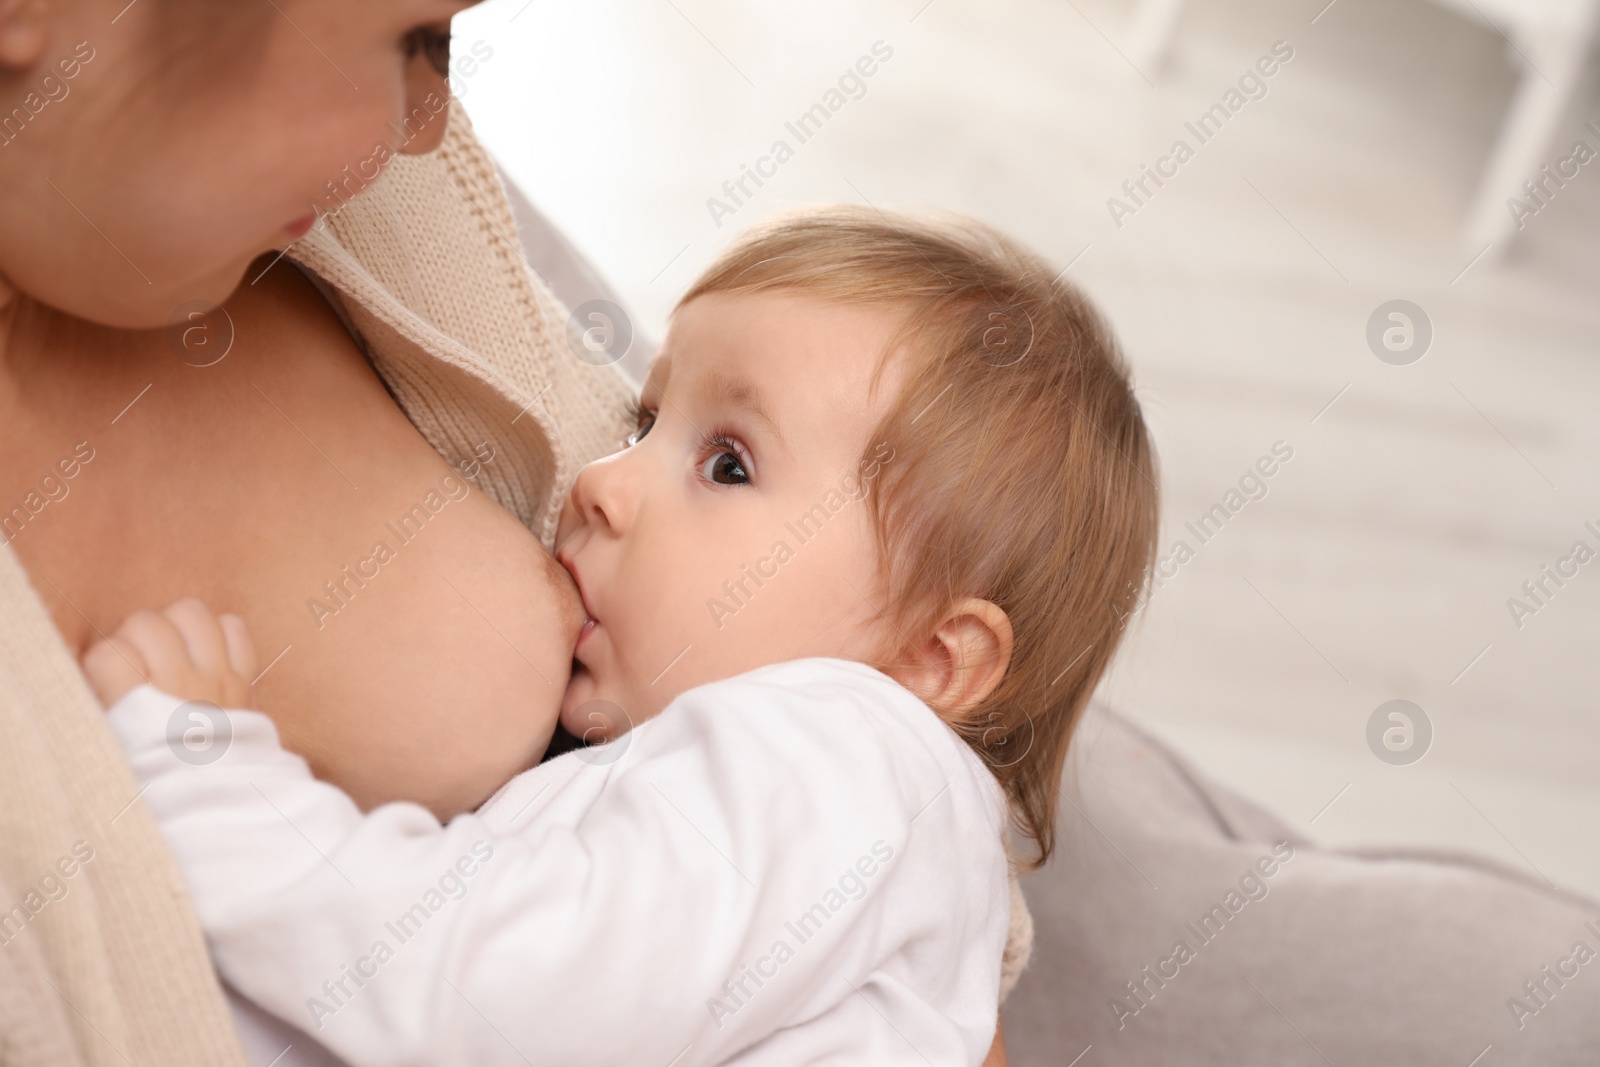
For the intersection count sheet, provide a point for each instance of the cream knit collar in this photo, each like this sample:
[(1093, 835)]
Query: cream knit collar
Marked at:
[(471, 343)]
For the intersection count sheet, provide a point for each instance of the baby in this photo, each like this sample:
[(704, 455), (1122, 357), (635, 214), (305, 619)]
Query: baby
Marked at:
[(849, 585)]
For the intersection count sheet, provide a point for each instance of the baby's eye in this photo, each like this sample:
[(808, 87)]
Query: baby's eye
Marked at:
[(724, 468), (644, 421)]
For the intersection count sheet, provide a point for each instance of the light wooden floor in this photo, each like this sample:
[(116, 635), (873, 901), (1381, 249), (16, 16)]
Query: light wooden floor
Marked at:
[(1380, 562)]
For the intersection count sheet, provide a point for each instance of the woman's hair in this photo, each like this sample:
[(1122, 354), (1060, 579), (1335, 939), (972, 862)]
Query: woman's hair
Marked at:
[(1022, 471)]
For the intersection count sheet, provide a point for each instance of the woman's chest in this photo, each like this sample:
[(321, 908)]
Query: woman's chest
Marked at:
[(281, 483)]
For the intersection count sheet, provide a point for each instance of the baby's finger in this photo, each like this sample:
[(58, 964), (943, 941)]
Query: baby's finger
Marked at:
[(202, 635), (114, 669), (241, 648), (160, 646)]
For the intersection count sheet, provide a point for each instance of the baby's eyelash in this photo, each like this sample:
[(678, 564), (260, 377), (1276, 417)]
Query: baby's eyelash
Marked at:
[(638, 415), (720, 440)]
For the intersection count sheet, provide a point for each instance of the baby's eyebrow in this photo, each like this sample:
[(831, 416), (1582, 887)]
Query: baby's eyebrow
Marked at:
[(741, 394)]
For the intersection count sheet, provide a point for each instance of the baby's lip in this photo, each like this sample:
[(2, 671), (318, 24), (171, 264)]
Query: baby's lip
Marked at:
[(577, 646), (577, 580)]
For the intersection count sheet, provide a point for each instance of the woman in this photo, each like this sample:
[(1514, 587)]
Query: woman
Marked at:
[(156, 153), (155, 158)]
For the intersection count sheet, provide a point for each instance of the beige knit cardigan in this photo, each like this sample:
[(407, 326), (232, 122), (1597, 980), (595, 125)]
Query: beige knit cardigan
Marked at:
[(427, 268)]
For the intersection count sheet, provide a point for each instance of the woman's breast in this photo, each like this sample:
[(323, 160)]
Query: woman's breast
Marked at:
[(415, 638)]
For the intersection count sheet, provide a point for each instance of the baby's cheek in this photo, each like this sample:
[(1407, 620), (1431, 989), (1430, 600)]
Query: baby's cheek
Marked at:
[(666, 597), (697, 610)]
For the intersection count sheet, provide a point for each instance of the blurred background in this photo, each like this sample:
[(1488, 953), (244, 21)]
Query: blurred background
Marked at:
[(1432, 473)]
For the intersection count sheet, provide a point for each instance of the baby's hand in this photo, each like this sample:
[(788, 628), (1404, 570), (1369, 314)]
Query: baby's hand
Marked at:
[(185, 650)]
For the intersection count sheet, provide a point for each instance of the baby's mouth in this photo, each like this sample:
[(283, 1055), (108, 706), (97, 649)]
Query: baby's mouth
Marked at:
[(579, 667), (589, 621)]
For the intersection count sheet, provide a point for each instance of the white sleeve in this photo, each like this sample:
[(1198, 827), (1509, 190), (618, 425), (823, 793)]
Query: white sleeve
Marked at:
[(654, 918)]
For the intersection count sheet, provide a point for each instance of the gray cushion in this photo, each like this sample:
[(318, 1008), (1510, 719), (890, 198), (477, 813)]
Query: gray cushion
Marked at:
[(1341, 957)]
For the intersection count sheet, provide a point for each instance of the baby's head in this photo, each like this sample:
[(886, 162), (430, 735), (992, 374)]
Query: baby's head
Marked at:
[(900, 442)]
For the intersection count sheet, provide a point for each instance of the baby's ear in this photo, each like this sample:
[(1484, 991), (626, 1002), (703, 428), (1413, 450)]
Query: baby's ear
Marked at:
[(962, 660)]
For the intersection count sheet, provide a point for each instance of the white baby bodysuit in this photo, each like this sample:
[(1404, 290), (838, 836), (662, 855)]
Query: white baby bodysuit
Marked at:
[(799, 865)]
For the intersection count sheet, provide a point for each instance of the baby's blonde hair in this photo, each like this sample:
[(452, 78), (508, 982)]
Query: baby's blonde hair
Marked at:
[(1022, 474)]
